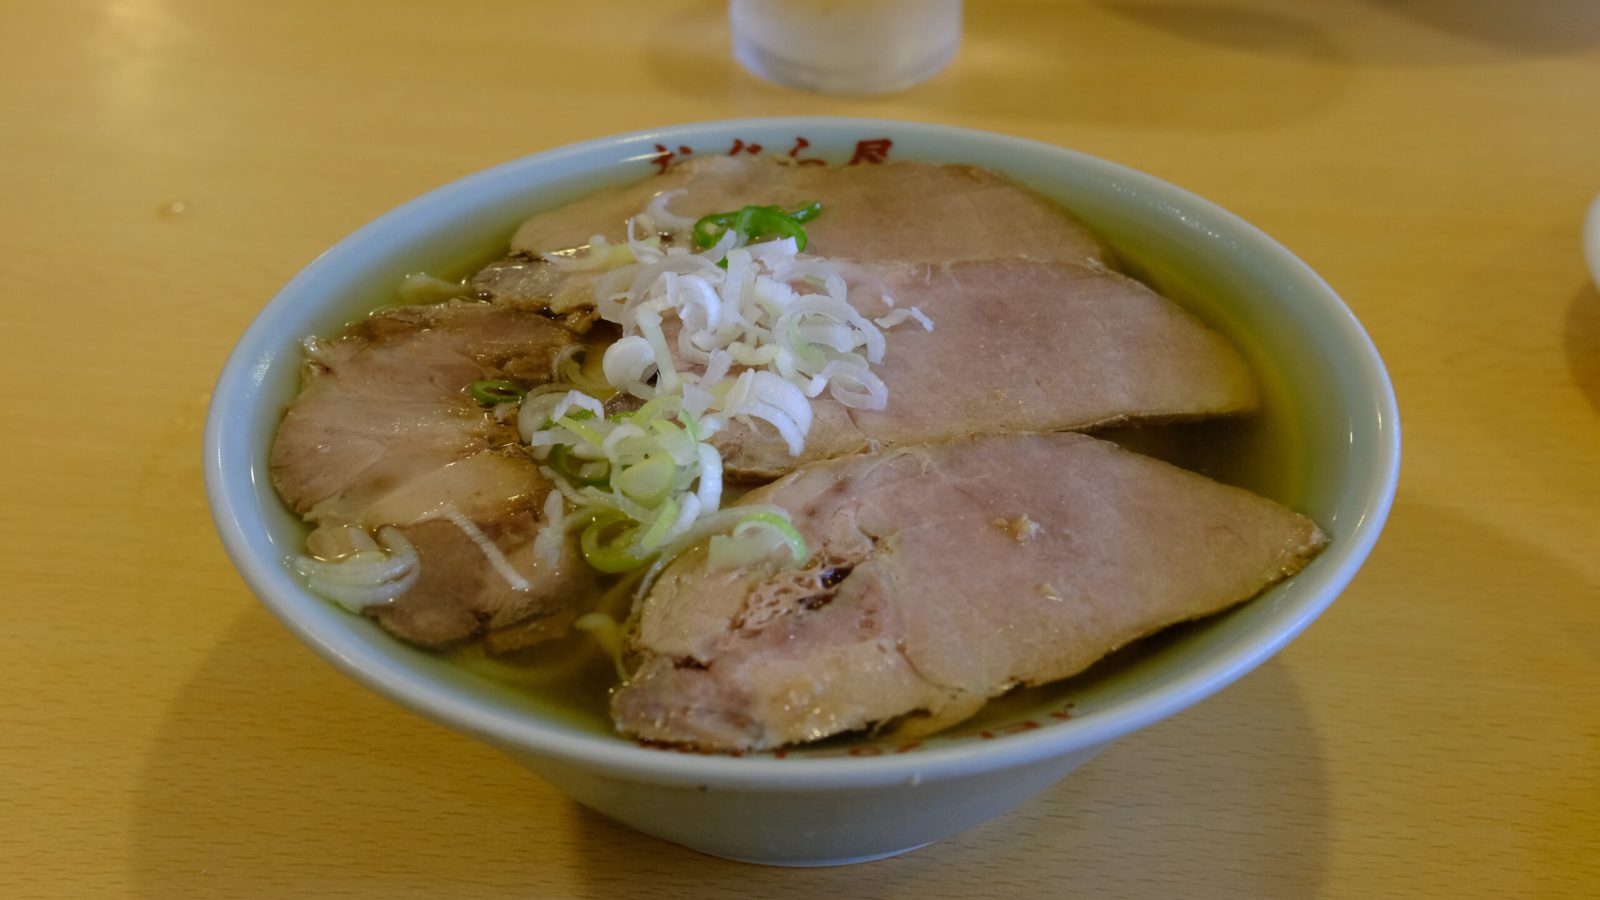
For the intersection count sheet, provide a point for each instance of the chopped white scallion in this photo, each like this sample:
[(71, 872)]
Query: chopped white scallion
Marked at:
[(732, 334), (897, 316), (599, 255), (491, 552), (709, 492), (368, 577), (552, 534), (656, 211), (579, 400)]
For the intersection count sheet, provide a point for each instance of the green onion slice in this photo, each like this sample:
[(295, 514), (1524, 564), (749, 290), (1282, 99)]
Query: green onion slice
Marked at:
[(807, 211), (756, 222), (496, 391), (612, 555), (648, 481), (796, 541), (574, 469), (709, 229), (657, 532), (571, 423), (691, 425)]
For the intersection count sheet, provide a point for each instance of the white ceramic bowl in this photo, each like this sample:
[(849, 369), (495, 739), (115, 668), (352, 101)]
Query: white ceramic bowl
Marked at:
[(1328, 445)]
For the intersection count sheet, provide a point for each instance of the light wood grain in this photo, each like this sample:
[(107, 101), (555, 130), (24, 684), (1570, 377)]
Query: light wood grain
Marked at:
[(167, 164)]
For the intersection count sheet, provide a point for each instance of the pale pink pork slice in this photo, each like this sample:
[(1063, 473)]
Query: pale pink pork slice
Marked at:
[(942, 576), (1033, 331), (907, 211), (1017, 345), (385, 432)]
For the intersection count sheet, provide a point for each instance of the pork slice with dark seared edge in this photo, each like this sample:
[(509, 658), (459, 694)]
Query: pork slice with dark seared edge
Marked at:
[(903, 211), (385, 432), (528, 281), (1017, 346), (942, 576)]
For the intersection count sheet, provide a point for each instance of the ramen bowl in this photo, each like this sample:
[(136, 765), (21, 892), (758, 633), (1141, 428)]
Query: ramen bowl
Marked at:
[(1327, 444)]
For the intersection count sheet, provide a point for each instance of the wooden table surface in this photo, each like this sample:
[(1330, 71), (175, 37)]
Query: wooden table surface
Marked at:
[(167, 164)]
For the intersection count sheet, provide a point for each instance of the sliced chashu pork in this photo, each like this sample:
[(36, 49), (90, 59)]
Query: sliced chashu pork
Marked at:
[(385, 432), (1032, 331), (910, 211), (942, 576), (1016, 346), (900, 211)]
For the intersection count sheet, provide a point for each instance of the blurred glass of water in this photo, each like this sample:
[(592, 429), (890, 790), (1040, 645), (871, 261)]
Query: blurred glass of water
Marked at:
[(845, 46)]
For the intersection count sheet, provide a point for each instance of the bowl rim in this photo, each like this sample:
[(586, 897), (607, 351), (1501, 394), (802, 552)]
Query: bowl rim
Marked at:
[(524, 735)]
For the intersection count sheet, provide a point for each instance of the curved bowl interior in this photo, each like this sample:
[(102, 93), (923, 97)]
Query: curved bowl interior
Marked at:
[(1328, 444)]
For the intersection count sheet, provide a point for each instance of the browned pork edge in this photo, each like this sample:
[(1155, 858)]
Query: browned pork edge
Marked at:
[(943, 576), (385, 432)]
